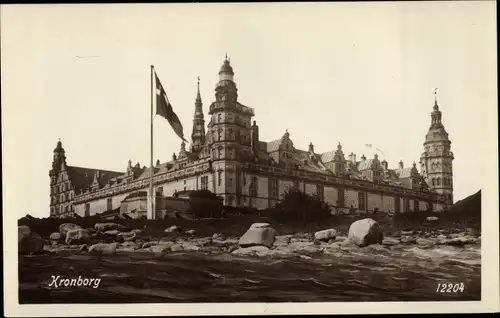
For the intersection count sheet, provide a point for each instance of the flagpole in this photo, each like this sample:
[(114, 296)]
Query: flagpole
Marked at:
[(151, 199)]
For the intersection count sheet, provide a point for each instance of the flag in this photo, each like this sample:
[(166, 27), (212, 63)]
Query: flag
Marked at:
[(164, 109), (369, 145), (380, 151)]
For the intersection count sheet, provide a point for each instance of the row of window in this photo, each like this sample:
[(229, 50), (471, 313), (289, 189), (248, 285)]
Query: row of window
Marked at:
[(62, 198), (437, 181), (230, 119), (61, 209), (60, 188)]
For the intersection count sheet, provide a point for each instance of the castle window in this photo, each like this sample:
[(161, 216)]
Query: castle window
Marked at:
[(229, 182), (361, 201), (87, 209), (109, 204), (274, 188), (438, 181), (159, 190), (61, 209), (320, 191), (52, 211), (296, 184), (433, 181), (220, 134), (204, 182), (66, 209), (417, 208), (341, 199), (219, 155), (219, 118), (220, 178), (253, 187)]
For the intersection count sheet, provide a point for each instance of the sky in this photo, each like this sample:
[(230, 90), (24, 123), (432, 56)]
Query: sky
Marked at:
[(354, 73)]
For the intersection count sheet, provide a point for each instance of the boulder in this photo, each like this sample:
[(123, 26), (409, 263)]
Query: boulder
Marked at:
[(218, 237), (431, 218), (177, 248), (365, 232), (458, 241), (390, 241), (408, 240), (325, 235), (111, 232), (190, 232), (65, 227), (90, 230), (173, 229), (103, 227), (137, 232), (282, 240), (56, 236), (161, 248), (103, 248), (252, 250), (258, 234), (126, 236), (23, 231), (77, 236), (31, 243)]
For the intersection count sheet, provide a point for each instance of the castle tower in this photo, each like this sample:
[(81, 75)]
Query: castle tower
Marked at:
[(59, 158), (198, 134), (229, 136), (436, 160)]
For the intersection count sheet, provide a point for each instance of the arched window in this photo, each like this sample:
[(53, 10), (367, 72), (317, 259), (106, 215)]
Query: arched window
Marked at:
[(219, 118), (438, 181), (433, 181)]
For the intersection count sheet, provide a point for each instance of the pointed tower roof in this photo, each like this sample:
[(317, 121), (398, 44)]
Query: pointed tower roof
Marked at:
[(226, 67)]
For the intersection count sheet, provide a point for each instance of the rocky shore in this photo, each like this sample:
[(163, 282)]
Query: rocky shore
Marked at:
[(260, 240)]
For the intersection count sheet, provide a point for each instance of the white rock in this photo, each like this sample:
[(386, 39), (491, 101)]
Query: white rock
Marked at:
[(190, 232), (103, 227), (77, 236), (65, 227), (56, 236), (126, 236), (104, 248), (258, 234), (325, 235), (365, 232), (431, 218), (173, 228)]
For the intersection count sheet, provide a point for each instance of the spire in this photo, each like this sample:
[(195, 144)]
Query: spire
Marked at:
[(436, 107), (198, 133), (198, 95)]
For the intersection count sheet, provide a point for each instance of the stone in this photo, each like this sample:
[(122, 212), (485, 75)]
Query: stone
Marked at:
[(431, 218), (77, 236), (161, 248), (325, 235), (258, 234), (84, 248), (218, 237), (190, 232), (458, 241), (259, 225), (137, 232), (126, 237), (252, 250), (365, 232), (408, 240), (31, 243), (148, 244), (173, 229), (111, 232), (104, 248), (390, 241), (56, 236), (177, 248), (65, 227), (103, 227), (23, 231), (282, 240)]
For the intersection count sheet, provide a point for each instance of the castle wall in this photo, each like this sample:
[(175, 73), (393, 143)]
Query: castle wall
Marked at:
[(351, 198), (388, 203), (374, 200), (101, 205), (330, 195)]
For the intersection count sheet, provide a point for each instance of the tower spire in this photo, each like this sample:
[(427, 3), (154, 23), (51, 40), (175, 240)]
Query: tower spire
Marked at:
[(436, 107), (198, 133)]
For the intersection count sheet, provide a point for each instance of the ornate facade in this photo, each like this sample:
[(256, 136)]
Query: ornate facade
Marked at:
[(230, 160)]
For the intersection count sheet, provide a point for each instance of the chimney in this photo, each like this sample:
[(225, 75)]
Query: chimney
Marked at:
[(401, 166), (311, 148), (363, 158), (352, 156), (255, 137)]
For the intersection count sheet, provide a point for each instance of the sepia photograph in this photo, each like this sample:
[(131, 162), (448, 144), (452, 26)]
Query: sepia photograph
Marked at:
[(275, 158)]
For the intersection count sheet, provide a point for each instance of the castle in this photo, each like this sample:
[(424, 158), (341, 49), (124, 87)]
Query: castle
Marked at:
[(229, 159)]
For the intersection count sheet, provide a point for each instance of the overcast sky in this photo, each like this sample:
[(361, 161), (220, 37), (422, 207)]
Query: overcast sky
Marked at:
[(356, 73)]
